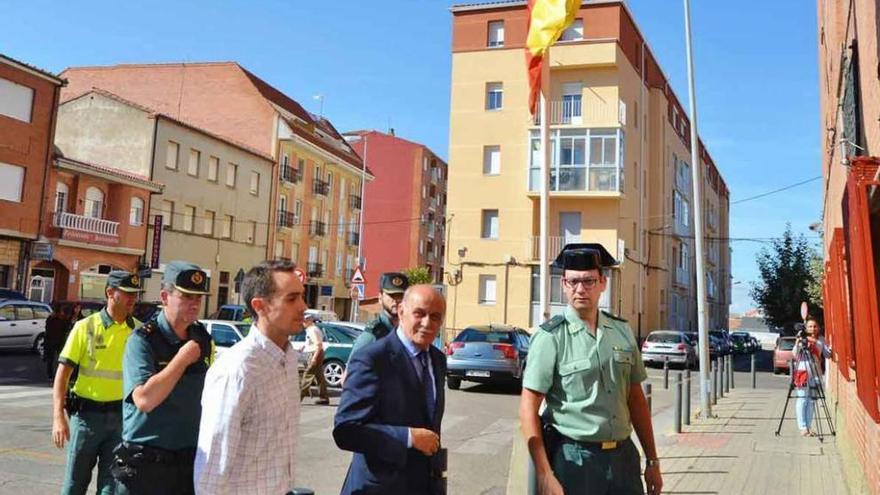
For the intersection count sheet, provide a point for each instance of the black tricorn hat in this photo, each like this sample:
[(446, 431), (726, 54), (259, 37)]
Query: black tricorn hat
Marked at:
[(584, 256)]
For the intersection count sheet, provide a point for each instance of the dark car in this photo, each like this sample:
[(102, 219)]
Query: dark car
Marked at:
[(12, 294), (486, 354), (723, 338), (143, 310), (714, 344)]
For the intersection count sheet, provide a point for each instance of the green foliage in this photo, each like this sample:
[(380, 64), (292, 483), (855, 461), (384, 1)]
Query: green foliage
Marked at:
[(786, 279), (418, 275)]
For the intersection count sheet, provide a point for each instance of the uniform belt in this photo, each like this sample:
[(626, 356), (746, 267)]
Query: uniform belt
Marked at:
[(606, 445), (160, 456), (96, 406)]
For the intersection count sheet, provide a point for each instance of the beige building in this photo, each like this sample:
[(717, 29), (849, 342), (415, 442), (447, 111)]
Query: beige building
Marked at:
[(215, 208), (620, 173)]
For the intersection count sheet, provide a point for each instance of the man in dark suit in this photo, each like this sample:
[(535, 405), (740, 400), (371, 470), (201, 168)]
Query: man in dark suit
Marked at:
[(392, 405)]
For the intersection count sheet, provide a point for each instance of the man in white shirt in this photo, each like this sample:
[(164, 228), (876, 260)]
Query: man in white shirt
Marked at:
[(250, 402), (314, 372)]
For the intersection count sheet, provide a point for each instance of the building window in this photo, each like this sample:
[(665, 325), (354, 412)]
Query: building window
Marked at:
[(94, 203), (340, 229), (227, 226), (189, 213), (5, 276), (252, 232), (575, 31), (255, 183), (285, 160), (496, 34), (491, 160), (572, 95), (193, 168), (208, 224), (61, 194), (297, 209), (490, 224), (213, 168), (136, 214), (231, 173), (167, 213), (337, 268), (329, 184), (581, 160), (16, 100), (421, 247), (171, 155), (487, 289), (494, 95), (294, 252), (11, 182)]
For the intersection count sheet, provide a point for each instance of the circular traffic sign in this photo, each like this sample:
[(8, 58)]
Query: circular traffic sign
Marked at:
[(301, 274)]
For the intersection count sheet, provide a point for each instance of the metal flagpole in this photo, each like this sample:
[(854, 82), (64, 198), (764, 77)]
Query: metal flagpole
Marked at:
[(546, 153), (356, 304), (696, 178)]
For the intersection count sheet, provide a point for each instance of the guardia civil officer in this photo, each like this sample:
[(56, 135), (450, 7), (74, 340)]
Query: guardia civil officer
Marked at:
[(392, 285), (586, 364), (94, 347), (164, 370)]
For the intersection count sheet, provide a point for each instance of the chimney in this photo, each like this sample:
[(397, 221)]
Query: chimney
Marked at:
[(391, 131)]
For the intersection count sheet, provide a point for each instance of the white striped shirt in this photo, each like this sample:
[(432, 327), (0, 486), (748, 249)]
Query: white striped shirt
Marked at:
[(250, 413)]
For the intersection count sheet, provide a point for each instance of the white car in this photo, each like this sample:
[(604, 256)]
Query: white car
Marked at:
[(23, 324), (225, 334)]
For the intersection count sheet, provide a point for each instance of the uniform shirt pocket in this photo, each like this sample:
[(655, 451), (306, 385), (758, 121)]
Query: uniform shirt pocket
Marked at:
[(623, 360), (578, 379)]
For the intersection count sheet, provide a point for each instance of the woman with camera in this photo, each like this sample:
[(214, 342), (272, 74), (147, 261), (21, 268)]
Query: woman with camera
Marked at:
[(809, 349)]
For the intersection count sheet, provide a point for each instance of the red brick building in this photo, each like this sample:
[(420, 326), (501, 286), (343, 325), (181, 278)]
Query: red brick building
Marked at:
[(28, 103), (404, 207)]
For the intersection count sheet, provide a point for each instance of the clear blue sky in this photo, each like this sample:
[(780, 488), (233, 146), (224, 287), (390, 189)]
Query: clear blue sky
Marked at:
[(388, 61)]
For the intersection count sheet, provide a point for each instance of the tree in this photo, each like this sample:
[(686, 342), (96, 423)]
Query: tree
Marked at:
[(418, 275), (817, 270), (785, 279)]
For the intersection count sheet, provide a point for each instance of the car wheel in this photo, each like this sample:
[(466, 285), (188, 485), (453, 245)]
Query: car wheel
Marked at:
[(40, 345), (333, 371), (453, 383)]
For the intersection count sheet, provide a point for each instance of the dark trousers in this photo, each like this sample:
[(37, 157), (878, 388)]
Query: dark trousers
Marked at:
[(50, 356), (143, 470), (586, 469), (93, 435)]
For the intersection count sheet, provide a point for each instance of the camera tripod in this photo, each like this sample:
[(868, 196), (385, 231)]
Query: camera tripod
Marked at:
[(814, 390)]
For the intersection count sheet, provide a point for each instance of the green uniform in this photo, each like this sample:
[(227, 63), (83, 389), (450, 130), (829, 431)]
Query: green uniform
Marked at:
[(586, 381), (375, 330), (95, 347)]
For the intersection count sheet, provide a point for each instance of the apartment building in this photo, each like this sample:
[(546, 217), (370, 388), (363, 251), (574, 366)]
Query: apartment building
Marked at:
[(28, 100), (620, 173), (313, 166), (407, 206)]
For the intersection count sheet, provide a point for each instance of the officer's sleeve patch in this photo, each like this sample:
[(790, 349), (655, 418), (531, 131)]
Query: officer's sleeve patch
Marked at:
[(613, 316), (552, 324)]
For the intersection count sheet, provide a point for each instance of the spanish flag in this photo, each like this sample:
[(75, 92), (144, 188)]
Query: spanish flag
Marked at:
[(547, 21)]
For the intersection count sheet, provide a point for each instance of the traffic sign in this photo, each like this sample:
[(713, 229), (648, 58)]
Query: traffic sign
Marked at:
[(357, 291), (358, 276), (805, 311), (301, 274)]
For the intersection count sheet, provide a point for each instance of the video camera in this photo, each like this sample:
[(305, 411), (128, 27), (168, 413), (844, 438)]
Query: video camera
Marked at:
[(800, 332)]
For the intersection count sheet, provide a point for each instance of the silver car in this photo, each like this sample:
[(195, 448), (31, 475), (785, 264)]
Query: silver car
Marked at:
[(486, 354), (23, 324), (669, 345)]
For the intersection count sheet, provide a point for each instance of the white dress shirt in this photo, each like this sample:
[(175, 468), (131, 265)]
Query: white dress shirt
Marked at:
[(250, 414)]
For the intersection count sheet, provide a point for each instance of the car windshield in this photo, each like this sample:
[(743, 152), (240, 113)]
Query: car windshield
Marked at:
[(495, 337), (665, 338), (786, 344), (349, 332)]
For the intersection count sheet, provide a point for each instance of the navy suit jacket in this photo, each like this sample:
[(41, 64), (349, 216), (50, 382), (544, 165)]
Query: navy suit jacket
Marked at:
[(382, 398)]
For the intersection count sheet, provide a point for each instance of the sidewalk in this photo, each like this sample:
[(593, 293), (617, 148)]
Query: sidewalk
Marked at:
[(736, 452)]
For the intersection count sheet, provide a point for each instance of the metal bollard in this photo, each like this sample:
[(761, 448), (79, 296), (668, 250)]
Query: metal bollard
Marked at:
[(687, 397), (715, 381), (721, 378), (754, 375), (732, 370), (666, 373), (647, 389), (725, 377), (678, 396)]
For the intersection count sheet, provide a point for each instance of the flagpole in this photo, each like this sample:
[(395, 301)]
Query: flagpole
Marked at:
[(546, 154), (696, 178)]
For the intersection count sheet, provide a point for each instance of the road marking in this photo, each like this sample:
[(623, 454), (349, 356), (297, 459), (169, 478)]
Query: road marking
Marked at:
[(492, 439), (20, 395)]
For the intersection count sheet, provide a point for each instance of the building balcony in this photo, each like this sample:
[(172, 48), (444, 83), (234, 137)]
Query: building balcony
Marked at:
[(354, 238), (555, 244), (321, 187), (432, 229), (318, 229), (568, 111), (86, 229), (290, 175), (354, 202), (582, 160), (316, 270), (286, 219)]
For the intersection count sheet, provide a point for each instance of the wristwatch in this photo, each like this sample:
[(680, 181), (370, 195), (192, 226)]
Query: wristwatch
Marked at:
[(651, 463)]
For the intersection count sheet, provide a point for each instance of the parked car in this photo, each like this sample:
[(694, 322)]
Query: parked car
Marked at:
[(486, 354), (338, 340), (23, 324), (225, 334), (12, 294), (783, 354), (725, 344), (714, 344), (669, 345), (756, 346), (143, 310), (742, 343), (237, 312)]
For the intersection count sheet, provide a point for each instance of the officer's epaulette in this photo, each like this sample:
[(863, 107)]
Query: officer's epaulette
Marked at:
[(553, 323), (148, 328), (613, 316)]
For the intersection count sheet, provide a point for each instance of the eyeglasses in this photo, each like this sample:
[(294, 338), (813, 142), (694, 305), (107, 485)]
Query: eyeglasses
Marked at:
[(573, 283)]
